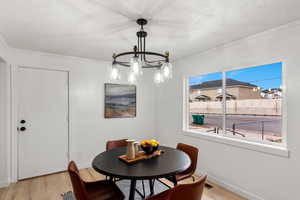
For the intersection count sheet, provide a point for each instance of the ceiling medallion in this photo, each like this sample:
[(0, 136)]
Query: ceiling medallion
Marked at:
[(138, 61)]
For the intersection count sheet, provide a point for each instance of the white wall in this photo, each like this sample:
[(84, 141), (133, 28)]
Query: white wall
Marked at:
[(254, 174), (4, 121), (89, 130), (4, 113)]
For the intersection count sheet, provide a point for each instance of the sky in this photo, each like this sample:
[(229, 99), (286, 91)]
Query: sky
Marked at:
[(264, 76)]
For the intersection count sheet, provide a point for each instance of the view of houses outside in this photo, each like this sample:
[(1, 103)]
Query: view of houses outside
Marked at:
[(253, 99)]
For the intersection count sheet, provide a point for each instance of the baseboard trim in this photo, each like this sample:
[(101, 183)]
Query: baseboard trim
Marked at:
[(4, 184), (233, 188)]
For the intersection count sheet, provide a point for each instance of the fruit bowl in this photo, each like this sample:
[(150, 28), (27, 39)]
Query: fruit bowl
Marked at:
[(149, 146)]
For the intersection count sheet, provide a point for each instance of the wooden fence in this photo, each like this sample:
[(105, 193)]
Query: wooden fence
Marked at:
[(240, 107)]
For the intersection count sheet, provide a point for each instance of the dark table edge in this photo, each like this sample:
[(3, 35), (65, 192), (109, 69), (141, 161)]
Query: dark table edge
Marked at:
[(141, 177), (137, 178)]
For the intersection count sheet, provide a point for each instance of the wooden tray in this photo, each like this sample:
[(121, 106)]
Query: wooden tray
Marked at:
[(141, 156)]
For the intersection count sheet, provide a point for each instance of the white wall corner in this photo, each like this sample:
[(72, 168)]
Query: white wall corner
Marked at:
[(5, 50), (3, 42)]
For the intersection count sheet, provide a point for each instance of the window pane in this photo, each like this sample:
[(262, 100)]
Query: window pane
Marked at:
[(205, 108), (253, 103)]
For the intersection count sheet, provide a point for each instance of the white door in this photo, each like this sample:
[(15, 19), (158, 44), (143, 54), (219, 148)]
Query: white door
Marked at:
[(42, 122)]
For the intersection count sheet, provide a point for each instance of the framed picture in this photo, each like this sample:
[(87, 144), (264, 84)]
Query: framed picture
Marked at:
[(120, 101)]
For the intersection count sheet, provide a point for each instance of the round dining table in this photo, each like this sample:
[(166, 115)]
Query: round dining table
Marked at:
[(168, 164)]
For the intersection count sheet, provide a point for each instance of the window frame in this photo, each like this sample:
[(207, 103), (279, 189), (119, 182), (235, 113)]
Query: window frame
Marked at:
[(231, 139)]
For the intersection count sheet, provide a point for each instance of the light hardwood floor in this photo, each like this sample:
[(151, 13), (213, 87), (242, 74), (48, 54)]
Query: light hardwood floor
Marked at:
[(51, 187)]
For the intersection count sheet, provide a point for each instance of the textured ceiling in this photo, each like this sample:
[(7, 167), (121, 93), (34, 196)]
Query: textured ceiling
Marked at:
[(97, 28)]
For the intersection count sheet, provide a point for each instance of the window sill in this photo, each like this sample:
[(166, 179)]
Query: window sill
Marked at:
[(254, 146)]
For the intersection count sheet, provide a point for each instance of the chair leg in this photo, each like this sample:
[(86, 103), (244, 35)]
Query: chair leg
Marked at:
[(193, 178), (151, 187), (174, 180), (143, 188)]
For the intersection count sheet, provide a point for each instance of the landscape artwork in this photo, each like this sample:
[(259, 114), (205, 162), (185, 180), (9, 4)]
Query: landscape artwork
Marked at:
[(120, 101)]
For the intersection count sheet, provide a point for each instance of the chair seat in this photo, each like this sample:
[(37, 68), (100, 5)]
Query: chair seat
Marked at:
[(103, 190), (191, 191), (180, 177)]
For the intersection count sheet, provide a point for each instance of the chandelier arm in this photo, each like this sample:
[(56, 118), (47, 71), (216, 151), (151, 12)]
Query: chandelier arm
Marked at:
[(149, 65), (141, 50), (126, 64), (138, 44), (140, 53), (145, 48), (153, 61)]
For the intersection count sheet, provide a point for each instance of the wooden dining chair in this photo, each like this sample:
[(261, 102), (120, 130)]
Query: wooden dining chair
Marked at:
[(98, 190), (112, 144), (192, 191), (189, 173), (193, 154)]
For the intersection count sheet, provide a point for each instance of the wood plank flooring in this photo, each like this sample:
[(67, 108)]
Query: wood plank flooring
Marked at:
[(51, 187)]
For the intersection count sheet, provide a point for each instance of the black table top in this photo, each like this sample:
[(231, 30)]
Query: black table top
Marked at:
[(171, 162)]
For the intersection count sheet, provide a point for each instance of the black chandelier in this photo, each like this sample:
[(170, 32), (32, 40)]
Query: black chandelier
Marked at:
[(139, 60)]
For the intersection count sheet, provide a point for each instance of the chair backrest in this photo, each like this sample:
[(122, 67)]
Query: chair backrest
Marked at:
[(77, 182), (192, 191), (193, 154), (112, 144)]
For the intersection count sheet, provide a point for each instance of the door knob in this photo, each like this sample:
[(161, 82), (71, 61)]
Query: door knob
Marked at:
[(22, 121), (22, 128)]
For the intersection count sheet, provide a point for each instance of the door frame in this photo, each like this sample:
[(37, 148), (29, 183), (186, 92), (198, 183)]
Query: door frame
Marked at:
[(14, 162)]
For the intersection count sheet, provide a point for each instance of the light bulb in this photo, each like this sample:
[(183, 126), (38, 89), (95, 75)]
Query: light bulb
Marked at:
[(158, 77), (167, 70), (131, 78), (114, 73), (135, 66)]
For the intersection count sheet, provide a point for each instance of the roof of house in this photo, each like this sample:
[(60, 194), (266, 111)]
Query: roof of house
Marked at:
[(218, 84), (227, 95), (202, 96)]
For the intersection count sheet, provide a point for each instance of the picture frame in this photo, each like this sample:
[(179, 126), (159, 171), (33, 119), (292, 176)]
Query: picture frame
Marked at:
[(120, 100)]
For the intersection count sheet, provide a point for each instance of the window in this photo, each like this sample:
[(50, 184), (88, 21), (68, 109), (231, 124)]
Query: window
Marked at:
[(244, 103)]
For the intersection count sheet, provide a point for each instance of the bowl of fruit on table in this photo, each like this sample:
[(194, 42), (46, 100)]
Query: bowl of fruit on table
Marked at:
[(149, 146)]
